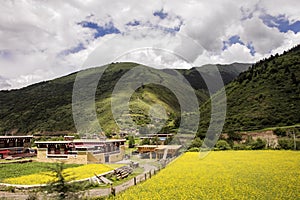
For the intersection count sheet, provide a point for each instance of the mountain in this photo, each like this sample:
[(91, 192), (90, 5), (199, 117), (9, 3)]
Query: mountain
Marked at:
[(227, 72), (266, 95), (46, 107)]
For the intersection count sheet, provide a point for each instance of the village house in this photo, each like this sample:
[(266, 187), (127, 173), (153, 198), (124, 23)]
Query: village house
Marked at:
[(15, 146), (158, 151), (81, 151)]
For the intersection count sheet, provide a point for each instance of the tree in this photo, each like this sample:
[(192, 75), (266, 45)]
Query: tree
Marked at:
[(131, 142), (234, 136), (258, 144), (197, 142), (60, 184), (280, 132), (145, 141), (294, 79), (286, 143), (223, 145)]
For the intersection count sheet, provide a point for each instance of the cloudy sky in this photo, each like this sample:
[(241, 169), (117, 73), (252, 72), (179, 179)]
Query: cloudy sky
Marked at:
[(41, 40)]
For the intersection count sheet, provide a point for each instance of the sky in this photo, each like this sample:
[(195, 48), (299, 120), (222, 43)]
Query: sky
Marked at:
[(42, 40)]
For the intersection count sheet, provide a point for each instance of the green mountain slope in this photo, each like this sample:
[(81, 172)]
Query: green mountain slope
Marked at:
[(227, 72), (266, 95), (46, 107)]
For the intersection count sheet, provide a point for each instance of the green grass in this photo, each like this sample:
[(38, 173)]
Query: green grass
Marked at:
[(282, 127), (17, 169)]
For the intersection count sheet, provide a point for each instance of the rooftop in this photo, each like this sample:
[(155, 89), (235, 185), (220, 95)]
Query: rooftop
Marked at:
[(13, 137), (99, 140), (53, 142), (161, 146), (80, 141)]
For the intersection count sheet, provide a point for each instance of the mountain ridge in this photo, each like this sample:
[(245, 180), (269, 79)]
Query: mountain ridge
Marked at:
[(46, 106)]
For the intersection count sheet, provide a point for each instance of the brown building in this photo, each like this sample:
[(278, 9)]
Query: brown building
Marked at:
[(15, 146), (81, 151), (158, 151)]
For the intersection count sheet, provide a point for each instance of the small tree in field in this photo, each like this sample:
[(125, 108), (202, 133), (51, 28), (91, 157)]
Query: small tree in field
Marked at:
[(131, 142), (60, 184)]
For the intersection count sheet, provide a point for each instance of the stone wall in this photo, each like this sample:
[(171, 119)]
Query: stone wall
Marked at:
[(119, 156), (95, 158), (81, 158)]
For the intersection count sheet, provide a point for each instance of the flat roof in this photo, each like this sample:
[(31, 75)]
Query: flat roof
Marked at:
[(99, 140), (80, 141), (13, 137), (53, 142), (161, 146), (158, 134)]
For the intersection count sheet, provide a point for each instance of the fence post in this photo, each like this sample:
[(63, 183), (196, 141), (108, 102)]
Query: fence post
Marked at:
[(145, 176), (134, 180), (112, 190), (150, 174)]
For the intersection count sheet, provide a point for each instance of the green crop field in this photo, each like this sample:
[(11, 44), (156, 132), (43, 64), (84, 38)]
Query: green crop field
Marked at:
[(225, 175)]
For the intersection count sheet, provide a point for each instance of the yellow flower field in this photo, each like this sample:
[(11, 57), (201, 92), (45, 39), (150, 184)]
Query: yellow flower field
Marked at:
[(225, 175), (76, 173)]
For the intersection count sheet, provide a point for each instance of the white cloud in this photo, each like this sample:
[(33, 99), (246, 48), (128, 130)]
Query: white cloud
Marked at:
[(34, 34), (290, 8), (263, 38)]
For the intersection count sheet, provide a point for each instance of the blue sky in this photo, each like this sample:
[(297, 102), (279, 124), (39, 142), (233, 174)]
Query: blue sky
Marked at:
[(161, 14), (100, 31), (281, 22)]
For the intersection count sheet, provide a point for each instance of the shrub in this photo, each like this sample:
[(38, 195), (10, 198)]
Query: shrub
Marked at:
[(286, 144), (280, 132), (131, 141), (258, 144), (239, 147), (223, 145), (193, 149), (197, 142)]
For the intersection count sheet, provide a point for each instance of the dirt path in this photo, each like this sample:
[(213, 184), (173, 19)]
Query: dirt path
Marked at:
[(16, 196)]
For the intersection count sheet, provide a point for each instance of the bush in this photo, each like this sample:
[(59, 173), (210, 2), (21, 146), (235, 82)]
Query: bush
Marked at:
[(239, 147), (234, 136), (131, 143), (193, 149), (223, 145), (280, 132), (286, 144), (258, 144), (145, 141), (197, 142)]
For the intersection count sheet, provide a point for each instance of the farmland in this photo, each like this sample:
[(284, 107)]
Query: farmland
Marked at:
[(225, 175), (17, 170), (43, 175)]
